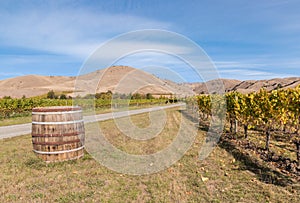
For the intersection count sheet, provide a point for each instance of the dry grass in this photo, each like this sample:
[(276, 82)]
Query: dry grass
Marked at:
[(133, 146), (280, 143), (219, 178), (15, 121)]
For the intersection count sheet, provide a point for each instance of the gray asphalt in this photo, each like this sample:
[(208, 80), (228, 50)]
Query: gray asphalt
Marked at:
[(23, 129)]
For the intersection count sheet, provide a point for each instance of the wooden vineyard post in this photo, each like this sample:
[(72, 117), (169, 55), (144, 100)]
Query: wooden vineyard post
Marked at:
[(297, 143)]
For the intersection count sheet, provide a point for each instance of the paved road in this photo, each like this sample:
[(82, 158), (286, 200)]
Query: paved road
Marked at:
[(23, 129)]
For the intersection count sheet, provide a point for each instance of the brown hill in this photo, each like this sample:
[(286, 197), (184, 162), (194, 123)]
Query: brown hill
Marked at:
[(121, 79), (124, 79), (248, 85), (201, 88), (34, 85)]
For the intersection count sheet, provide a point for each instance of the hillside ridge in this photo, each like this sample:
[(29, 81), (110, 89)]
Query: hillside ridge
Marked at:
[(125, 79), (118, 79), (247, 86)]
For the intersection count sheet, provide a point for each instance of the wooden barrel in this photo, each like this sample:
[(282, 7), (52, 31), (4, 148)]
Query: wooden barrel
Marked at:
[(58, 133)]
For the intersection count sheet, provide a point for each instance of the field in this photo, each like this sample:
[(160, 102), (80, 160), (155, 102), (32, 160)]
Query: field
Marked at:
[(225, 176)]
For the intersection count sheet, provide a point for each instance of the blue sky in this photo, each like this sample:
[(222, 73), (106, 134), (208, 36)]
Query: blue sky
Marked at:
[(244, 39)]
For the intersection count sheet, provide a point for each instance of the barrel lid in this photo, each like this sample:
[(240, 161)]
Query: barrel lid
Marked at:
[(57, 109)]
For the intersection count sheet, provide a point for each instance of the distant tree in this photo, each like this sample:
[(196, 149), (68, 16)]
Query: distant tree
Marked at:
[(149, 96), (7, 97), (136, 96), (62, 96), (51, 95), (124, 96), (109, 95), (23, 97), (279, 86), (100, 95)]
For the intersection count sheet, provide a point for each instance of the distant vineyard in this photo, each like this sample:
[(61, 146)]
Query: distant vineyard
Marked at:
[(20, 107), (10, 107)]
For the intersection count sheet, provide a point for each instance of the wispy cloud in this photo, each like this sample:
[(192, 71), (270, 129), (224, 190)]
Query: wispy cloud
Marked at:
[(248, 71), (155, 48), (236, 64), (50, 39), (68, 32), (248, 74)]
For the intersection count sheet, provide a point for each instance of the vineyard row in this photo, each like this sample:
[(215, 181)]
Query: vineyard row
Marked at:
[(278, 110), (11, 107)]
